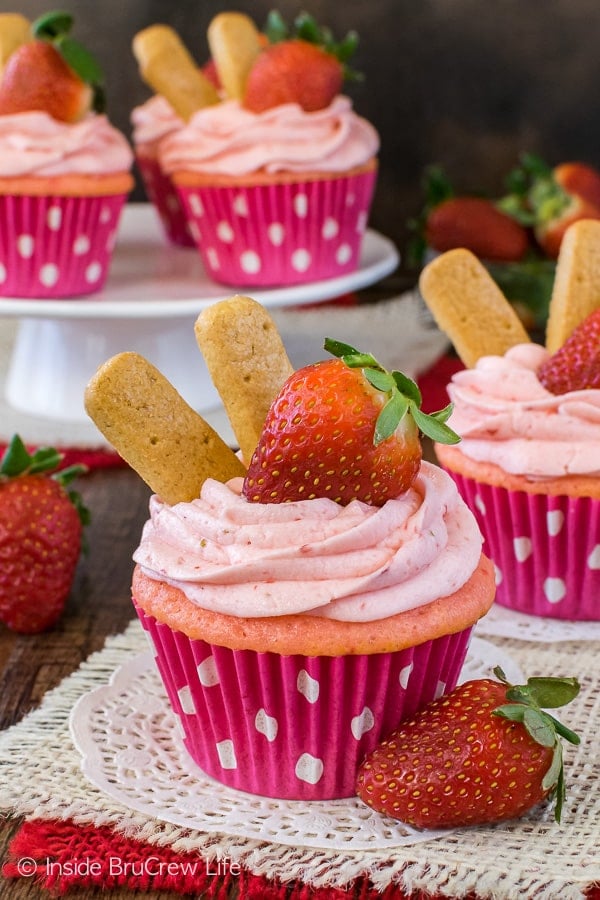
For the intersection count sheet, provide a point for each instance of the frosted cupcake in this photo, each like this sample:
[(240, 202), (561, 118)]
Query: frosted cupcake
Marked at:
[(152, 121), (277, 180), (300, 610), (64, 173), (528, 464)]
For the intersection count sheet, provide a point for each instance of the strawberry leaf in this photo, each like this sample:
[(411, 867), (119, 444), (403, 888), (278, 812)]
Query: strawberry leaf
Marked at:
[(408, 387), (383, 381), (51, 25), (553, 692), (390, 417), (80, 60), (538, 727), (433, 428)]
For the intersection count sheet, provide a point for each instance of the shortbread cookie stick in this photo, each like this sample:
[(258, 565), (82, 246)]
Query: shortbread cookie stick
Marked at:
[(151, 426), (247, 363), (576, 291), (469, 307), (234, 43), (15, 30), (169, 69)]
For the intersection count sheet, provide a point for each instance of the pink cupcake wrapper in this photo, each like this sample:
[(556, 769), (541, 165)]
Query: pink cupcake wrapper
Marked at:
[(295, 727), (163, 194), (546, 549), (54, 246), (280, 233)]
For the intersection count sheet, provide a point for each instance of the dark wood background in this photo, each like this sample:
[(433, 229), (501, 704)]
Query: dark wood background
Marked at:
[(468, 84)]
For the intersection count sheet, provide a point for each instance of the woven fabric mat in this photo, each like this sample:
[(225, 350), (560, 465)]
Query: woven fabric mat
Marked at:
[(40, 778)]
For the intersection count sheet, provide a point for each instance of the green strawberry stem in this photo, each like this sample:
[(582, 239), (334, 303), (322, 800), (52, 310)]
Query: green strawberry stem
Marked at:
[(527, 705), (55, 27), (534, 196), (17, 461), (403, 397)]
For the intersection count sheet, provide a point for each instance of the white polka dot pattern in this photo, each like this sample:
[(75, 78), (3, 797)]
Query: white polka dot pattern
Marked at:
[(163, 194), (280, 233), (300, 726), (545, 549), (56, 246)]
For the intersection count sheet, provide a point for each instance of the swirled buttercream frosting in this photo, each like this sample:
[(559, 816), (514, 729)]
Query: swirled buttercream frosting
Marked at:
[(35, 144), (226, 139), (504, 415), (153, 120), (351, 563)]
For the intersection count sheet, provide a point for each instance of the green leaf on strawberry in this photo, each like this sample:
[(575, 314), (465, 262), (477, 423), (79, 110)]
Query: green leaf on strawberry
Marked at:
[(403, 397)]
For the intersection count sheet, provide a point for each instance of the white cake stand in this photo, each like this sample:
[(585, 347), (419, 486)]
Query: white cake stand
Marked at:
[(150, 302)]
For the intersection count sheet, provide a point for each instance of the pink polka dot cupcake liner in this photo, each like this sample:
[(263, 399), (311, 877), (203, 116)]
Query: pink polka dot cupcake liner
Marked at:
[(163, 195), (280, 234), (55, 246), (294, 727), (545, 548)]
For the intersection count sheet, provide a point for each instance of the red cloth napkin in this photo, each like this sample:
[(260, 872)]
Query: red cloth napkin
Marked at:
[(62, 856), (93, 459)]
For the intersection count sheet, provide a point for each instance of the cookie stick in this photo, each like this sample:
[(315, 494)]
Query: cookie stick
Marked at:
[(234, 43), (168, 68), (247, 363), (576, 291), (15, 30), (469, 307), (151, 426)]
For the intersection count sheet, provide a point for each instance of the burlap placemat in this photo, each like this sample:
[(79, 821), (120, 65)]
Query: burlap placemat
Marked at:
[(40, 777)]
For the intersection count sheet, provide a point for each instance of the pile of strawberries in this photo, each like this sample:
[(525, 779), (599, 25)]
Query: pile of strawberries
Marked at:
[(517, 236)]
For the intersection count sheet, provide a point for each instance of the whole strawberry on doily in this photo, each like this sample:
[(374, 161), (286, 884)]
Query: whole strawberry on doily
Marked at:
[(486, 752), (41, 528)]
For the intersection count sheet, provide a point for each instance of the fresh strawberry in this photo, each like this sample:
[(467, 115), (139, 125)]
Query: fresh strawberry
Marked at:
[(303, 66), (485, 752), (343, 428), (550, 199), (41, 525), (52, 73), (576, 365), (476, 224)]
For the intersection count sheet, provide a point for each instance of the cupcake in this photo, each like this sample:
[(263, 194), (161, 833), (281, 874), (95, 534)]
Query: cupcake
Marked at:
[(277, 179), (292, 636), (528, 464), (152, 121), (64, 171)]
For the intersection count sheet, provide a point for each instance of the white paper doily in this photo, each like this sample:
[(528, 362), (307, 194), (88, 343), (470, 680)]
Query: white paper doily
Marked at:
[(503, 622), (131, 747)]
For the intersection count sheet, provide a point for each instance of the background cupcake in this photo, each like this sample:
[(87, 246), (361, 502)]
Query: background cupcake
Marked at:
[(528, 463), (277, 179), (64, 170)]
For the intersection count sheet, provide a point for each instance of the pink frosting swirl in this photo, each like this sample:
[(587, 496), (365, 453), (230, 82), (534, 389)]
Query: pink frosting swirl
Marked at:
[(154, 120), (504, 415), (33, 143), (226, 139), (354, 563)]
